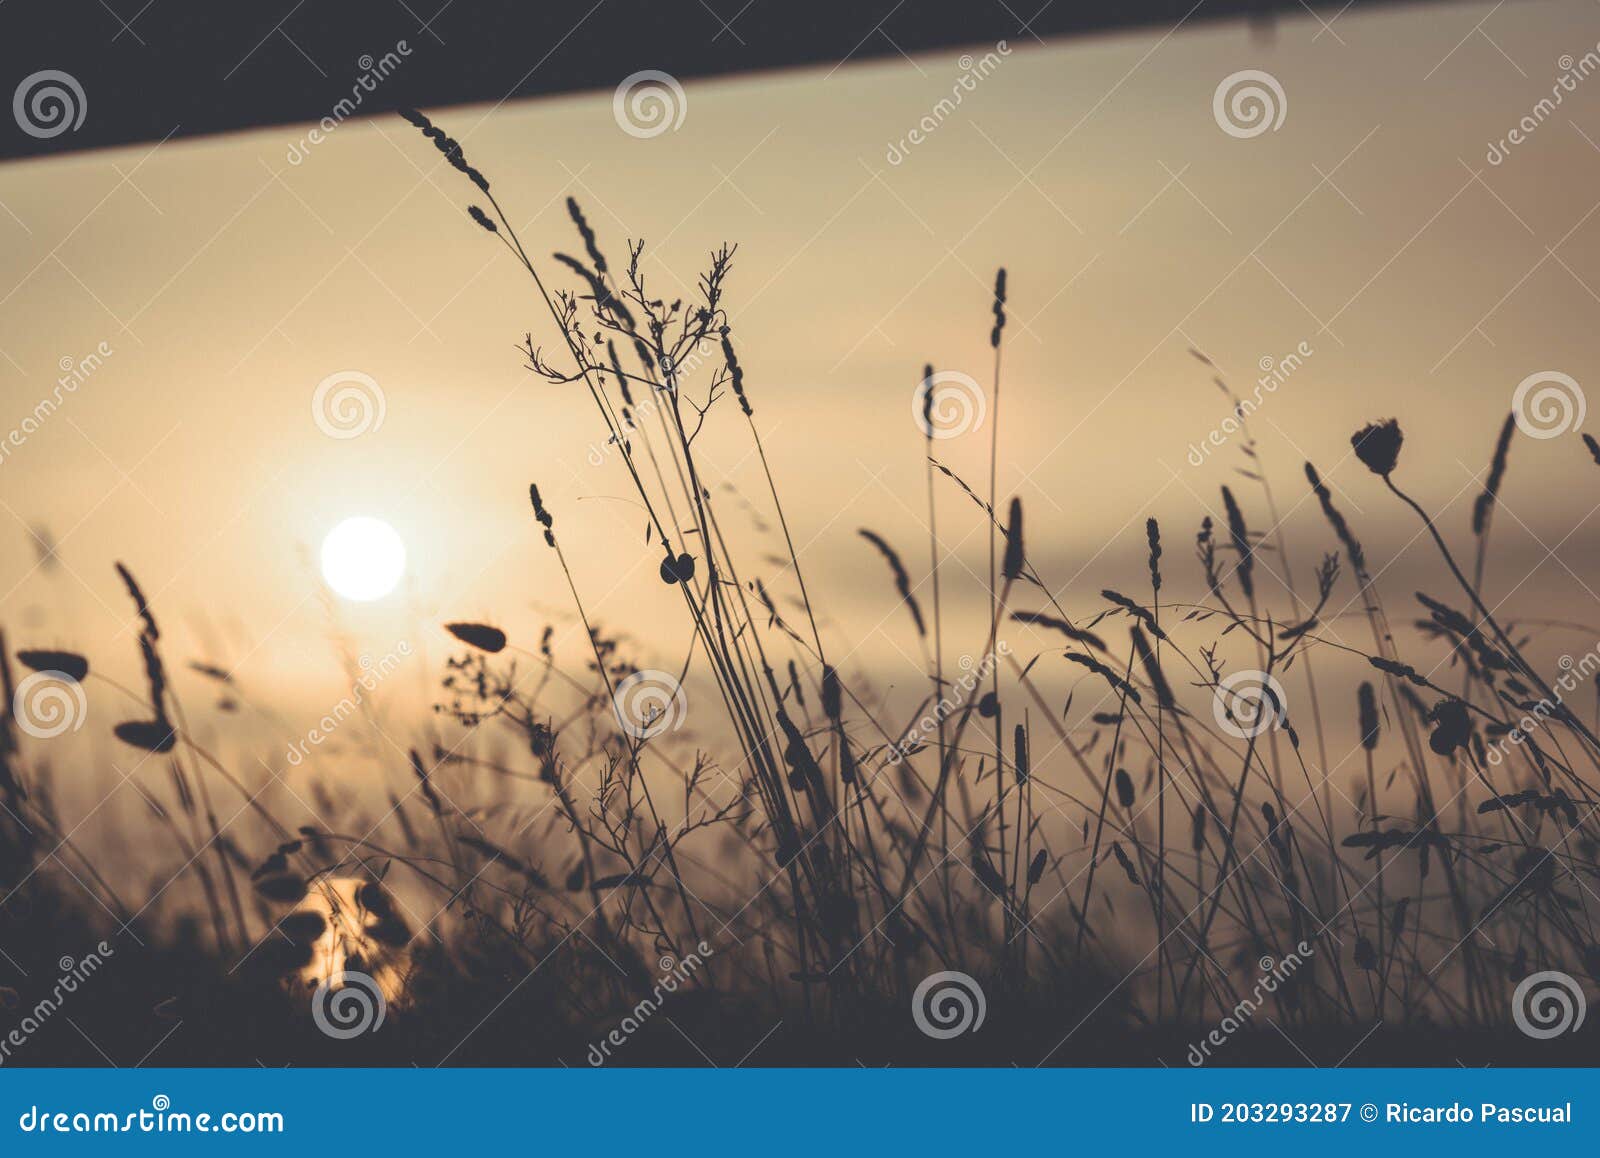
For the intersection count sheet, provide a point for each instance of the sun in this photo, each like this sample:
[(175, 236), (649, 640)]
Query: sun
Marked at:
[(363, 558)]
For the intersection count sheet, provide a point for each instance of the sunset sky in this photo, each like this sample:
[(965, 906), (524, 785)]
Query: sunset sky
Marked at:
[(1369, 231)]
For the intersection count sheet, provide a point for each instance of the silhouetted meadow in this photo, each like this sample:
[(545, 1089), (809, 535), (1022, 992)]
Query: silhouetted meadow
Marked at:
[(1115, 873)]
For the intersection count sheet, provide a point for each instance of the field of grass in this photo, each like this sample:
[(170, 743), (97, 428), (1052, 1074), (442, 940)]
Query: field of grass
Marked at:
[(1183, 863)]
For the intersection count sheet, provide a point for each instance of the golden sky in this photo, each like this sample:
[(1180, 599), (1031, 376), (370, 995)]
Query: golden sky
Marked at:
[(1369, 228)]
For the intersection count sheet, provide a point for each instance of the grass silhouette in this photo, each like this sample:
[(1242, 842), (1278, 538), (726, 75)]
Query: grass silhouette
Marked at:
[(1114, 874)]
